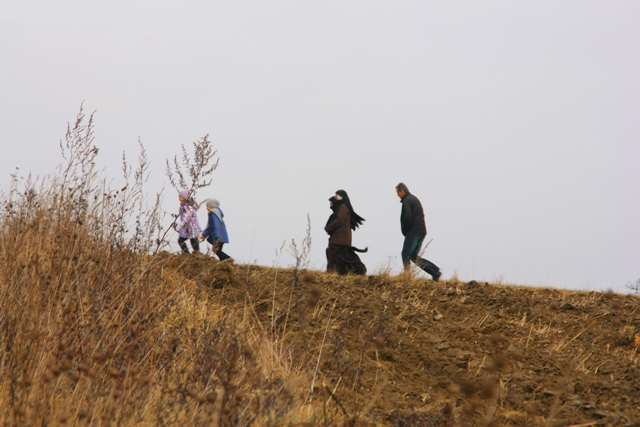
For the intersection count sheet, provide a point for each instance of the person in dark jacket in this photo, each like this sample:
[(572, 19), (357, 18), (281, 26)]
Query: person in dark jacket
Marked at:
[(341, 256), (414, 231), (216, 231)]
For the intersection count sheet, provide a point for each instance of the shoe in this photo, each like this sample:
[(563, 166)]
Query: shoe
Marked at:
[(436, 276)]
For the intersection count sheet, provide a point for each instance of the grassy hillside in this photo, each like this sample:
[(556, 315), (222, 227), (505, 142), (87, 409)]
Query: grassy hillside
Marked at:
[(405, 351), (94, 336), (99, 327)]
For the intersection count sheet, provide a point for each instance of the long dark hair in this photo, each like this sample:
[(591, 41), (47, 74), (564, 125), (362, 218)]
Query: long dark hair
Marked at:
[(356, 220)]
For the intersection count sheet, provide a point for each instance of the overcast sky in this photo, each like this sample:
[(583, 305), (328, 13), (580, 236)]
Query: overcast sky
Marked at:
[(517, 124)]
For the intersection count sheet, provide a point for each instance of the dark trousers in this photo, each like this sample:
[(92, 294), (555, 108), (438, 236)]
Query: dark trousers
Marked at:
[(195, 244), (217, 249), (410, 250)]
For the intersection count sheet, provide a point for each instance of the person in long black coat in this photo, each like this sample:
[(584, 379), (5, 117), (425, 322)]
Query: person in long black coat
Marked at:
[(341, 255)]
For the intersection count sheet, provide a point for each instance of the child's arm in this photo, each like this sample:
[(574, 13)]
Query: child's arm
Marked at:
[(211, 227)]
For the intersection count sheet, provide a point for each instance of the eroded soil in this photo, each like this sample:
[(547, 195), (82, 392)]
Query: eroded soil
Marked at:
[(406, 351)]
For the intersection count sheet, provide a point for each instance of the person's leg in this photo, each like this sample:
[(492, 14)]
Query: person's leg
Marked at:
[(341, 260), (429, 267), (416, 249), (410, 251), (217, 249), (183, 245), (195, 244), (410, 248), (331, 259)]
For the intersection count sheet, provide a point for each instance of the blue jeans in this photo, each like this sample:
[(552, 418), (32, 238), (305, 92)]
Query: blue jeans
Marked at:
[(410, 250)]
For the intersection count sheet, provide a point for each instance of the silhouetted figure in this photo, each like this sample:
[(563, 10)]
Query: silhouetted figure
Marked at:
[(414, 231), (341, 256), (188, 227), (216, 231)]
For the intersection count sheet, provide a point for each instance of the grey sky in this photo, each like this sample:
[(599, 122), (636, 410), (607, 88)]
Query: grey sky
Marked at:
[(517, 124)]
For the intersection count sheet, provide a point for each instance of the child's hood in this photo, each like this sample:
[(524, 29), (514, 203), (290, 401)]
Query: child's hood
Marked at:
[(213, 203)]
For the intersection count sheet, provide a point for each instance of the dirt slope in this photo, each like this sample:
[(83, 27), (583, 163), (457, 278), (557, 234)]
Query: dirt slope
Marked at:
[(406, 351)]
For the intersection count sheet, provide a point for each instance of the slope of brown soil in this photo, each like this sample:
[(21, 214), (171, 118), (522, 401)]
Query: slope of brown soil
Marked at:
[(406, 351)]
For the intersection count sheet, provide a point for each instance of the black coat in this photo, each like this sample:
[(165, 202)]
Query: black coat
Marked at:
[(412, 216)]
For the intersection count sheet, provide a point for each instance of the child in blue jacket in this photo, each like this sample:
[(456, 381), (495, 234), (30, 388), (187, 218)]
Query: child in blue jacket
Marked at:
[(216, 231)]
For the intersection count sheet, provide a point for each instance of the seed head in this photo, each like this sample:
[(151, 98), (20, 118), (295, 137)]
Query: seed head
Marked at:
[(517, 353), (64, 343), (489, 390), (379, 342), (533, 409), (496, 339), (448, 409), (314, 296), (307, 276), (48, 377), (468, 388), (615, 321), (453, 388), (472, 406), (65, 364), (247, 354), (502, 361)]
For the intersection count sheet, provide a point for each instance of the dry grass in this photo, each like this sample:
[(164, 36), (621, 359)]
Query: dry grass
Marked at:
[(94, 331), (99, 329)]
